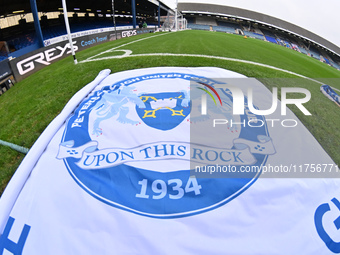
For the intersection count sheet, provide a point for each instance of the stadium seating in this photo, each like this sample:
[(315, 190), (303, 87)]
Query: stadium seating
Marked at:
[(314, 52), (222, 26), (20, 39), (271, 39), (304, 50), (327, 61), (262, 33), (336, 65), (254, 35), (269, 36), (205, 20), (228, 24), (224, 29), (190, 20), (283, 41), (199, 27), (267, 32)]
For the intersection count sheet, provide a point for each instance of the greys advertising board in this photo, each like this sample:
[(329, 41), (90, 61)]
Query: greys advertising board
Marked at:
[(30, 63), (5, 69)]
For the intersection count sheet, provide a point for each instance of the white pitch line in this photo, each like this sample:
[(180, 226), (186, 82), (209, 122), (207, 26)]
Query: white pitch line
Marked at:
[(112, 49), (335, 89), (202, 56), (228, 59)]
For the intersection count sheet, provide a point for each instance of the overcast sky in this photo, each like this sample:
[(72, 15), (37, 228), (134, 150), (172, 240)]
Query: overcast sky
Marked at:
[(320, 17)]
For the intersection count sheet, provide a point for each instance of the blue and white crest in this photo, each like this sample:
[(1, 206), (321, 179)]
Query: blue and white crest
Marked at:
[(164, 111), (129, 146)]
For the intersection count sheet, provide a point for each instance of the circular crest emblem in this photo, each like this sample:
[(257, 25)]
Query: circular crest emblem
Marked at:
[(130, 146)]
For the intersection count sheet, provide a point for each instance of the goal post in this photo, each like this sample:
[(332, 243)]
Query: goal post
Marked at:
[(172, 23)]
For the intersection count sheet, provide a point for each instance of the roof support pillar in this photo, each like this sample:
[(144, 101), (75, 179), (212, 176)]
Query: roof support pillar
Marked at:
[(133, 6), (37, 23), (159, 14)]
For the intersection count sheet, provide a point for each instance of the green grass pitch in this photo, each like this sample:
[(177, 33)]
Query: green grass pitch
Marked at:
[(28, 107)]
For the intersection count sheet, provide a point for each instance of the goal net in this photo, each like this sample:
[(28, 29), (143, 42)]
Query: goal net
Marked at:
[(169, 22)]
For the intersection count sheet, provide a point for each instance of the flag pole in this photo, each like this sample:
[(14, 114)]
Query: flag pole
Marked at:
[(69, 32)]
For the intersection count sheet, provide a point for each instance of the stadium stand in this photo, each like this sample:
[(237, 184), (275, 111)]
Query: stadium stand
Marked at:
[(199, 27), (228, 27), (190, 20), (254, 35), (228, 24), (336, 65), (205, 20), (225, 29), (18, 35), (285, 42), (327, 61), (270, 37), (267, 32), (22, 37), (260, 26), (18, 30), (314, 52), (270, 34), (3, 50), (22, 40)]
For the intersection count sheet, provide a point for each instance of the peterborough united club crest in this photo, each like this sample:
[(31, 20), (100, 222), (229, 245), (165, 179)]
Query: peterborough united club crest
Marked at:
[(143, 145)]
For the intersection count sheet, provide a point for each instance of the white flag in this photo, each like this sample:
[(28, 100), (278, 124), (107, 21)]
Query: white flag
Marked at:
[(132, 166)]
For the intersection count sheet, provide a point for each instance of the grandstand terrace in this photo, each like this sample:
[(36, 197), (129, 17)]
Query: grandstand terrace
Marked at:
[(260, 26), (19, 34), (36, 28), (17, 27)]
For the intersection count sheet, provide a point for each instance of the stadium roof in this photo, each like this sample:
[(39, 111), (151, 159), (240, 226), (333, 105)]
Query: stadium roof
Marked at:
[(188, 8), (8, 8)]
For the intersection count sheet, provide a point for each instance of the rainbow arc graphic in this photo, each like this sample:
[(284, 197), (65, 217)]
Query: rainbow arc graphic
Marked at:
[(209, 93)]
